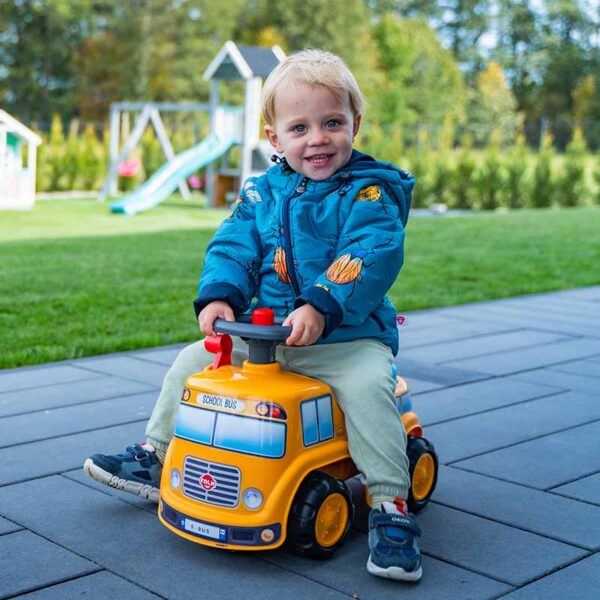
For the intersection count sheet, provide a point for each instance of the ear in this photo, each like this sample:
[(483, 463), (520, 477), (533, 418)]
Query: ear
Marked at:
[(356, 125), (273, 138)]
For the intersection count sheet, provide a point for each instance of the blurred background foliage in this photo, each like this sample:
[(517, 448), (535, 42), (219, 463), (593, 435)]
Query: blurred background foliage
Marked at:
[(490, 102)]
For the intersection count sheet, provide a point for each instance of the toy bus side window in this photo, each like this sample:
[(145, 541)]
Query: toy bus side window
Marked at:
[(317, 420)]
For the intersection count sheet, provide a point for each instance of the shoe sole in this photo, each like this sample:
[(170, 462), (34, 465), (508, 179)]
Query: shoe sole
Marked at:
[(397, 573), (138, 489)]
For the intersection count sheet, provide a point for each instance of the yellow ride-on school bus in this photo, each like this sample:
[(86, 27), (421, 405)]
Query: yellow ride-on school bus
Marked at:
[(260, 455)]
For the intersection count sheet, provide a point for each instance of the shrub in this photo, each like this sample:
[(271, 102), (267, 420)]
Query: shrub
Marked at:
[(542, 191), (489, 179), (516, 190), (596, 172), (570, 179), (463, 184)]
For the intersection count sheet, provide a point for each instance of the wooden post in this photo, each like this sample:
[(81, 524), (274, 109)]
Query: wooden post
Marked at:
[(210, 169)]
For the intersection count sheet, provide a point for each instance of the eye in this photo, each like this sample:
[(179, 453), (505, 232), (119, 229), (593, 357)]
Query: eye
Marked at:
[(333, 123), (299, 128)]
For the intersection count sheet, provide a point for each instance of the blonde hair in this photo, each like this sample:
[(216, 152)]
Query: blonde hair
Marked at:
[(313, 68)]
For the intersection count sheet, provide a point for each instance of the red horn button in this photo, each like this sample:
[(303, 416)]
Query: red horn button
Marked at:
[(263, 316)]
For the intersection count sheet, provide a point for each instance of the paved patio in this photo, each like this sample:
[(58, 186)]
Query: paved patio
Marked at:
[(507, 391)]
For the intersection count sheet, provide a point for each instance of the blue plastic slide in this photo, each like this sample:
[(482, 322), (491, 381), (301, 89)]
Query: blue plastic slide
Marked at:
[(165, 181)]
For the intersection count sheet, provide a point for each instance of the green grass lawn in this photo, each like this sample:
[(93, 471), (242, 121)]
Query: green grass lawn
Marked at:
[(77, 281)]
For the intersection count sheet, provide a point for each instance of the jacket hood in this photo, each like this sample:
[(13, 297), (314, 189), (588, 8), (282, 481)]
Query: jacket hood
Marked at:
[(398, 182)]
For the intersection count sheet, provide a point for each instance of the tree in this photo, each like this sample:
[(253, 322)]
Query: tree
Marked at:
[(566, 59), (421, 83), (37, 41), (150, 50), (463, 23), (339, 26), (424, 9), (492, 107), (517, 48)]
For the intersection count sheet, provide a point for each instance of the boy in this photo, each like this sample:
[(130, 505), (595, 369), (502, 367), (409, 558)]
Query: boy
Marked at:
[(318, 238)]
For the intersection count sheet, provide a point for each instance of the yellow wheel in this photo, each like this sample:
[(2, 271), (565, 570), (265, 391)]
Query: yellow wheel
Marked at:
[(331, 521), (422, 481), (423, 467), (320, 517)]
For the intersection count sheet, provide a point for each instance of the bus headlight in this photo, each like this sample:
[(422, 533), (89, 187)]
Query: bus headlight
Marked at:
[(175, 478), (252, 498)]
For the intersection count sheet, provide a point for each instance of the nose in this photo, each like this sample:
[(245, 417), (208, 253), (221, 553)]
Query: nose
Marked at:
[(318, 137)]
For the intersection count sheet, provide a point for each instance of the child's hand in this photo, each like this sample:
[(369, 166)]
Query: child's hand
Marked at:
[(211, 312), (307, 326)]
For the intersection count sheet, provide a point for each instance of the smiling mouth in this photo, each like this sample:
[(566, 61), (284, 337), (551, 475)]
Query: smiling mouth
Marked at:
[(319, 159)]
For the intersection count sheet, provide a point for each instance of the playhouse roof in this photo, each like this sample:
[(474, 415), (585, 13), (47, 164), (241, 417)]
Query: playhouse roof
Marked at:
[(235, 62), (11, 125)]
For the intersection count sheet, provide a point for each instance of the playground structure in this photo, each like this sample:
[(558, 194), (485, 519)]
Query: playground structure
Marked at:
[(230, 127), (17, 182)]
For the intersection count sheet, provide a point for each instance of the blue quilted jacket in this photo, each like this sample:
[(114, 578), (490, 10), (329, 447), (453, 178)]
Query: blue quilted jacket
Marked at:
[(336, 244)]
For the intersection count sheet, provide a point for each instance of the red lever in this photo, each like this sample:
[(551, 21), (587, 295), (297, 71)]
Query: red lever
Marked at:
[(221, 345), (263, 316)]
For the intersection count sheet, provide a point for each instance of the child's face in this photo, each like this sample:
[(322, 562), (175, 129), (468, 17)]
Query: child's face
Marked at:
[(313, 128)]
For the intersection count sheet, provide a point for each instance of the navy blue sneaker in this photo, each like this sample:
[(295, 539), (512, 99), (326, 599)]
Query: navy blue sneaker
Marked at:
[(137, 470), (393, 543)]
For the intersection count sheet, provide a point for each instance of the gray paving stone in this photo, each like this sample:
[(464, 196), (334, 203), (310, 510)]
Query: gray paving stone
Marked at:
[(541, 310), (560, 379), (489, 548), (98, 586), (503, 363), (28, 561), (37, 459), (425, 320), (413, 338), (545, 462), (66, 394), (536, 312), (80, 477), (497, 314), (587, 368), (559, 304), (418, 386), (586, 489), (118, 536), (165, 356), (7, 526), (561, 519), (591, 293), (462, 400), (73, 419), (34, 377), (127, 367), (435, 373), (576, 581), (482, 345), (347, 572), (486, 432)]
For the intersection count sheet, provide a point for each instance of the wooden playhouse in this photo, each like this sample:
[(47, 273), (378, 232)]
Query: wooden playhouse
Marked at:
[(17, 167)]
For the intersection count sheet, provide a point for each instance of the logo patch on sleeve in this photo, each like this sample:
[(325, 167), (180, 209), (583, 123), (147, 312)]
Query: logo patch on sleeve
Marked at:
[(371, 193)]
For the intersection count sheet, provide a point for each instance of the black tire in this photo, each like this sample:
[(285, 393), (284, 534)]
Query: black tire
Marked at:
[(302, 520), (418, 448)]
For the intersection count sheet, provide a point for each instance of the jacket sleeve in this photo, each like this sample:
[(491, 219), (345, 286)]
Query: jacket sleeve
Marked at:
[(233, 257), (368, 259)]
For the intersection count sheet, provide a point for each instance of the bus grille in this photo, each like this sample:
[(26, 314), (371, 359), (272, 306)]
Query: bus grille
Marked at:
[(211, 482)]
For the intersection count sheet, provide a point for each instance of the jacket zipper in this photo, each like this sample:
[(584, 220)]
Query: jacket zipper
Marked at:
[(289, 257)]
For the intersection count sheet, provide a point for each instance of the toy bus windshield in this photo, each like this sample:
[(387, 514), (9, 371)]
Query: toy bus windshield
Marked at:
[(238, 433)]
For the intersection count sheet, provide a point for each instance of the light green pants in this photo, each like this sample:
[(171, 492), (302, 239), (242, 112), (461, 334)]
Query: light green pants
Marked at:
[(360, 375)]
